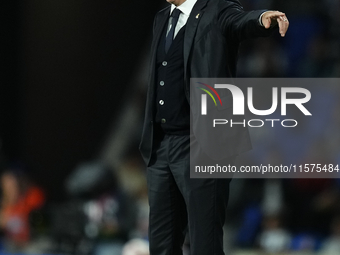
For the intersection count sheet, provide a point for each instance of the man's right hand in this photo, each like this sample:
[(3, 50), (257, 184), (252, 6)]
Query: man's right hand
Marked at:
[(272, 18)]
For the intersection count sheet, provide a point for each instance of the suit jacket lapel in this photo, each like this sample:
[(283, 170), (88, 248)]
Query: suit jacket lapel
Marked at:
[(163, 18), (190, 30)]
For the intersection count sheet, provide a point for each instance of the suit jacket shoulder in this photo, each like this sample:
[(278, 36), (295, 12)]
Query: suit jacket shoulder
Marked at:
[(159, 14)]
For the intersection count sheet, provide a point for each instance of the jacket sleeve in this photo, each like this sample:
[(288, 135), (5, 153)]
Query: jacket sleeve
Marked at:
[(239, 24)]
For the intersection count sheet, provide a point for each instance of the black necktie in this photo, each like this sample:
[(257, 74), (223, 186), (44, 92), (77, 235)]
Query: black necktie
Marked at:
[(170, 37)]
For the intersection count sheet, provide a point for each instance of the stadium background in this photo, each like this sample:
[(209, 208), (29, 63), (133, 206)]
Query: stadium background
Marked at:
[(72, 91)]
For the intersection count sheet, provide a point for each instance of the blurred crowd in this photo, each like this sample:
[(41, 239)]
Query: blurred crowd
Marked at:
[(106, 212), (289, 215), (107, 209)]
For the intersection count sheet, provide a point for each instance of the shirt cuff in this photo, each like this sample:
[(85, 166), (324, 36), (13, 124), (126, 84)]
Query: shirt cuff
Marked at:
[(260, 18)]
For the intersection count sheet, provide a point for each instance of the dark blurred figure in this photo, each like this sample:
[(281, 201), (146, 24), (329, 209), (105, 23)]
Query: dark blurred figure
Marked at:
[(99, 215), (19, 198)]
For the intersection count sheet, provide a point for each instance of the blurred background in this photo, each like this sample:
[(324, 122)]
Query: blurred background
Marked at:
[(72, 93)]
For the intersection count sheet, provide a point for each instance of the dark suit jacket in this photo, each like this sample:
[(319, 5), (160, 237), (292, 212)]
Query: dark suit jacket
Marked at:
[(212, 36)]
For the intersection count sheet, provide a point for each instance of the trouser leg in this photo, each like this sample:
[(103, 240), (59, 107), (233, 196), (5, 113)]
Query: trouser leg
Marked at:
[(206, 201), (168, 219)]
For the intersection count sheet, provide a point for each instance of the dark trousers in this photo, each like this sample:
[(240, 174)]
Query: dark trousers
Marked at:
[(177, 201)]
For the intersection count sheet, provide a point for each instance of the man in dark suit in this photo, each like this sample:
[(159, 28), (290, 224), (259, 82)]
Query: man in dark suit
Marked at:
[(191, 39)]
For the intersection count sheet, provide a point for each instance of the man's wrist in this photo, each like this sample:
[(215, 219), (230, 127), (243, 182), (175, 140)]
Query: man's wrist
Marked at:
[(260, 19)]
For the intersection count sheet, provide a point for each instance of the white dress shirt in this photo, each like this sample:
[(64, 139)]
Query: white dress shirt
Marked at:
[(185, 9)]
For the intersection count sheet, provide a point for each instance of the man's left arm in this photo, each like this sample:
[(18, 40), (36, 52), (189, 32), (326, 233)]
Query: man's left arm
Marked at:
[(236, 22)]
